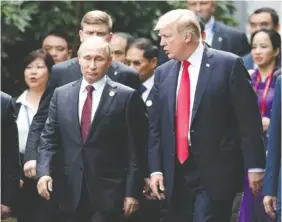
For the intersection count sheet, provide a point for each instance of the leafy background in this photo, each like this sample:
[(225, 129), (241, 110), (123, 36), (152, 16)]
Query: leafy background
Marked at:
[(25, 22)]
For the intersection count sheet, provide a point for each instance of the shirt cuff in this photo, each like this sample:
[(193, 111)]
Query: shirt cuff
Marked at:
[(156, 173), (256, 170)]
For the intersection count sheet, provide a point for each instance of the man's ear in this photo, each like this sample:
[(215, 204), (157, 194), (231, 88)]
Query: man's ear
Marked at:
[(187, 37), (69, 53)]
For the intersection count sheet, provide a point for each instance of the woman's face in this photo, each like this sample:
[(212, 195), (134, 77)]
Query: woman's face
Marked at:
[(36, 74), (262, 51)]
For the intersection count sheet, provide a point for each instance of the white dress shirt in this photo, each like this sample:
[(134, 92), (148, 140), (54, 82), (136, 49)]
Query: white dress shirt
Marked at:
[(96, 95), (24, 119), (149, 85), (209, 29), (195, 61)]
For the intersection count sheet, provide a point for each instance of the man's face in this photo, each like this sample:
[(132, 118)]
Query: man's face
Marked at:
[(118, 47), (172, 41), (57, 47), (144, 66), (94, 62), (100, 30), (204, 8), (261, 20)]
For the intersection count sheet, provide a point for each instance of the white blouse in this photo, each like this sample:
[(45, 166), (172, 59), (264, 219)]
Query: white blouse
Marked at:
[(25, 116)]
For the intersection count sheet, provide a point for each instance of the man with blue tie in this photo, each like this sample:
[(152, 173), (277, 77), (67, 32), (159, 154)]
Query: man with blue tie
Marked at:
[(272, 184), (96, 133), (205, 126)]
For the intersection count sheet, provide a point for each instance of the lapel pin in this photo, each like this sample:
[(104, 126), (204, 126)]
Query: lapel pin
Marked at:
[(112, 93), (219, 39), (207, 65), (149, 103), (115, 73)]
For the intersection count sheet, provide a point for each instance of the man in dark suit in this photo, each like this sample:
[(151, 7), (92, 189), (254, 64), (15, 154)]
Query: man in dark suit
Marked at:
[(219, 36), (97, 129), (10, 163), (93, 23), (272, 185), (142, 55), (202, 133), (261, 18)]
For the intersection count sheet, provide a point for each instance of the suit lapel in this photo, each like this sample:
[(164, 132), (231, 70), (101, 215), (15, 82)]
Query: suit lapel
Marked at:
[(113, 71), (73, 97), (217, 40), (171, 86), (204, 75), (108, 95)]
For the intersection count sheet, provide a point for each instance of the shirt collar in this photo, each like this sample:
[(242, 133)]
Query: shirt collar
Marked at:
[(22, 98), (98, 85), (149, 82), (196, 58), (209, 25)]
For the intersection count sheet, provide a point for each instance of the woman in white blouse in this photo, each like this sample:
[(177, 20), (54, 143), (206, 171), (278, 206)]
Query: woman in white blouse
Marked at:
[(37, 67)]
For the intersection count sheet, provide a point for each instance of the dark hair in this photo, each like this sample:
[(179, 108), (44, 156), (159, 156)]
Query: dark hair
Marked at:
[(59, 33), (274, 37), (39, 53), (150, 50), (272, 12), (129, 38)]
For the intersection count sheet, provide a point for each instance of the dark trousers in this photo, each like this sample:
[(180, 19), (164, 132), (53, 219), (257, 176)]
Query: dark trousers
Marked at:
[(191, 201), (84, 213)]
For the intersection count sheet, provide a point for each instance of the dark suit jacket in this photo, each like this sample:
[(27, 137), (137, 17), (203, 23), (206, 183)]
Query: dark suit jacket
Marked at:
[(229, 39), (110, 157), (62, 74), (248, 61), (10, 163), (273, 163), (226, 130)]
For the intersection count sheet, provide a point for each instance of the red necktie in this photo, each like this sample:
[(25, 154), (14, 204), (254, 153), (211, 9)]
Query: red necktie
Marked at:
[(86, 113), (182, 115)]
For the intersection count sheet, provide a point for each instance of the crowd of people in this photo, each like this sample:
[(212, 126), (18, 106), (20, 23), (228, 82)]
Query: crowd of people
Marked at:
[(187, 131)]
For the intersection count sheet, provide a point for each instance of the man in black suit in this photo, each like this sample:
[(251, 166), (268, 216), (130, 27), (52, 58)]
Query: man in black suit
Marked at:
[(142, 55), (205, 127), (93, 23), (10, 162), (218, 35), (97, 130)]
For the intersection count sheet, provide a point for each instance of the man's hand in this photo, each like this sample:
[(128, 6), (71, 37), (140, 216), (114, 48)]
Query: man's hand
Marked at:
[(255, 181), (147, 192), (44, 187), (30, 169), (270, 205), (130, 205), (157, 184), (5, 211)]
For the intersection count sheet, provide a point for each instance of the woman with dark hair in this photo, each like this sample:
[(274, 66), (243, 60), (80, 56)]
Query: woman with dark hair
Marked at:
[(37, 67), (266, 45)]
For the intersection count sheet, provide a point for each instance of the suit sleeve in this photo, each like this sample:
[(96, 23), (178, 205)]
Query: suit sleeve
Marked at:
[(49, 141), (40, 118), (245, 106), (137, 124), (10, 162), (273, 163), (154, 146)]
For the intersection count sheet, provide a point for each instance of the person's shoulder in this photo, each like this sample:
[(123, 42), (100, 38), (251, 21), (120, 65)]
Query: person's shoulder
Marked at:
[(222, 55), (65, 64), (123, 68), (5, 97), (229, 30), (65, 88)]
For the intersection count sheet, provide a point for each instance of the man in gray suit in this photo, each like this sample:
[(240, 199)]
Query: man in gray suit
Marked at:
[(96, 131), (94, 23), (218, 35)]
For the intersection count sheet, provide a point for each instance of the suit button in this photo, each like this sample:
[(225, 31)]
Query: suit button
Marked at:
[(192, 131), (172, 154), (81, 169)]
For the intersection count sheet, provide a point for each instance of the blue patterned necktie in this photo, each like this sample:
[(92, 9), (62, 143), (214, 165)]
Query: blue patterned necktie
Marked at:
[(142, 89)]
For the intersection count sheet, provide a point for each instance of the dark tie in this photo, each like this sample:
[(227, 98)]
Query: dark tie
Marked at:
[(86, 113), (142, 89), (182, 115)]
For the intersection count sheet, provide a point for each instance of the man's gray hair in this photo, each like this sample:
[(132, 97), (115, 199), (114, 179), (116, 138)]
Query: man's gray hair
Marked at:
[(96, 40)]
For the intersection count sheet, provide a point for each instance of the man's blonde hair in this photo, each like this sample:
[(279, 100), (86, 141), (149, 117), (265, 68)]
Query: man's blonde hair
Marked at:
[(185, 21), (97, 17)]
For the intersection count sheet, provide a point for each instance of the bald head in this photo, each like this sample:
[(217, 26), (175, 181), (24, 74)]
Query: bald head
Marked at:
[(184, 20), (94, 57), (95, 42)]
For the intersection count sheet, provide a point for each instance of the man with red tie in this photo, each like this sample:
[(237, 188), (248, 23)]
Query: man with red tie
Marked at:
[(96, 133), (205, 127)]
